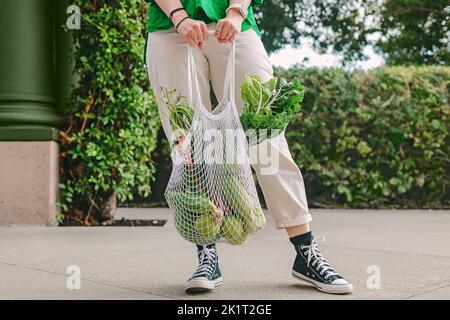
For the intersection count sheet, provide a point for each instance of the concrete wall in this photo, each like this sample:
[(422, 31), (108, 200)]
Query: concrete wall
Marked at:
[(28, 182)]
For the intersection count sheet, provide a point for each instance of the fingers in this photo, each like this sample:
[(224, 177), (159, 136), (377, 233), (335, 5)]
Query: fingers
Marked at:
[(226, 31), (219, 29), (195, 32), (198, 32), (234, 36), (189, 41), (192, 38), (202, 34), (204, 30)]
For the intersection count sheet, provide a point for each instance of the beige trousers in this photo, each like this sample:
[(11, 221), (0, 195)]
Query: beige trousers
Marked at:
[(167, 54)]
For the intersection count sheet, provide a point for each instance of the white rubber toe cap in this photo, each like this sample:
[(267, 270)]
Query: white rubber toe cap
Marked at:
[(340, 282)]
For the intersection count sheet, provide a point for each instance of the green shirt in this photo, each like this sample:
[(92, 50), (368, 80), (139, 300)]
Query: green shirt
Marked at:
[(205, 10)]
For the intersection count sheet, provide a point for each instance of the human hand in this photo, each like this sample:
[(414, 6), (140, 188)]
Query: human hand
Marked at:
[(194, 32), (228, 28)]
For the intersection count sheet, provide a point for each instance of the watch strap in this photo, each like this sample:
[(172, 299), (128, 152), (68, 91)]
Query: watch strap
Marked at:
[(241, 7)]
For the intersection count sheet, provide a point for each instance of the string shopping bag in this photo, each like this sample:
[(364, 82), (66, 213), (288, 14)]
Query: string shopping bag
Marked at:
[(211, 192)]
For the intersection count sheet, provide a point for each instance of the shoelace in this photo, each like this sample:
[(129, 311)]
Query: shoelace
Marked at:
[(207, 263), (317, 258)]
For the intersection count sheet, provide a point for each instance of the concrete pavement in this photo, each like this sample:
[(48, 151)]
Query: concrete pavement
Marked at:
[(411, 249)]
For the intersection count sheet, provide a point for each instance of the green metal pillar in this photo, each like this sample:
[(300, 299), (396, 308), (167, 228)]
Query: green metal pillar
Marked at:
[(31, 82), (35, 77)]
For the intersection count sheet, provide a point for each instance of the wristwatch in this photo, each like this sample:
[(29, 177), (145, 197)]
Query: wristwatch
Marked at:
[(242, 9)]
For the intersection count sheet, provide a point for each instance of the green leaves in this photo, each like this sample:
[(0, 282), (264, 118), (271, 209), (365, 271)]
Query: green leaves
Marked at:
[(111, 129), (179, 112), (375, 139), (413, 31), (363, 148), (269, 105), (257, 94)]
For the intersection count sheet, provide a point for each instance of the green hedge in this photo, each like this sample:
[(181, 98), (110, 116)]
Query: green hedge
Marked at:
[(375, 139), (111, 128), (368, 139)]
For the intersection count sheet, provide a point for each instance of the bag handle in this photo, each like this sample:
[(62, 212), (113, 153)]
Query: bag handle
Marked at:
[(194, 96), (230, 76)]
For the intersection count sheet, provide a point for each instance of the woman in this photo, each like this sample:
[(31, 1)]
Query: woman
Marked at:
[(211, 26)]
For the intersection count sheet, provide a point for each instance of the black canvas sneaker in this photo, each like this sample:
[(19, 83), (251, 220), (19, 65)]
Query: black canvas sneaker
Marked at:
[(208, 275), (311, 266)]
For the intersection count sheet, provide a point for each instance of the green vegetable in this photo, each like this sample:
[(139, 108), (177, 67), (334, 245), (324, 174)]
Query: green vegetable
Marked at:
[(197, 217), (254, 222), (233, 230), (207, 227), (257, 95), (239, 202), (179, 112), (193, 202), (269, 105), (184, 222)]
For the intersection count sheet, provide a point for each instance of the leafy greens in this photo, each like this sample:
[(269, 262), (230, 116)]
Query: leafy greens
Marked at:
[(269, 105)]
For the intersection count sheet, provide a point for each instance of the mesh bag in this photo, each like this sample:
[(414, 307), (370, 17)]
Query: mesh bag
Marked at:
[(211, 191)]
